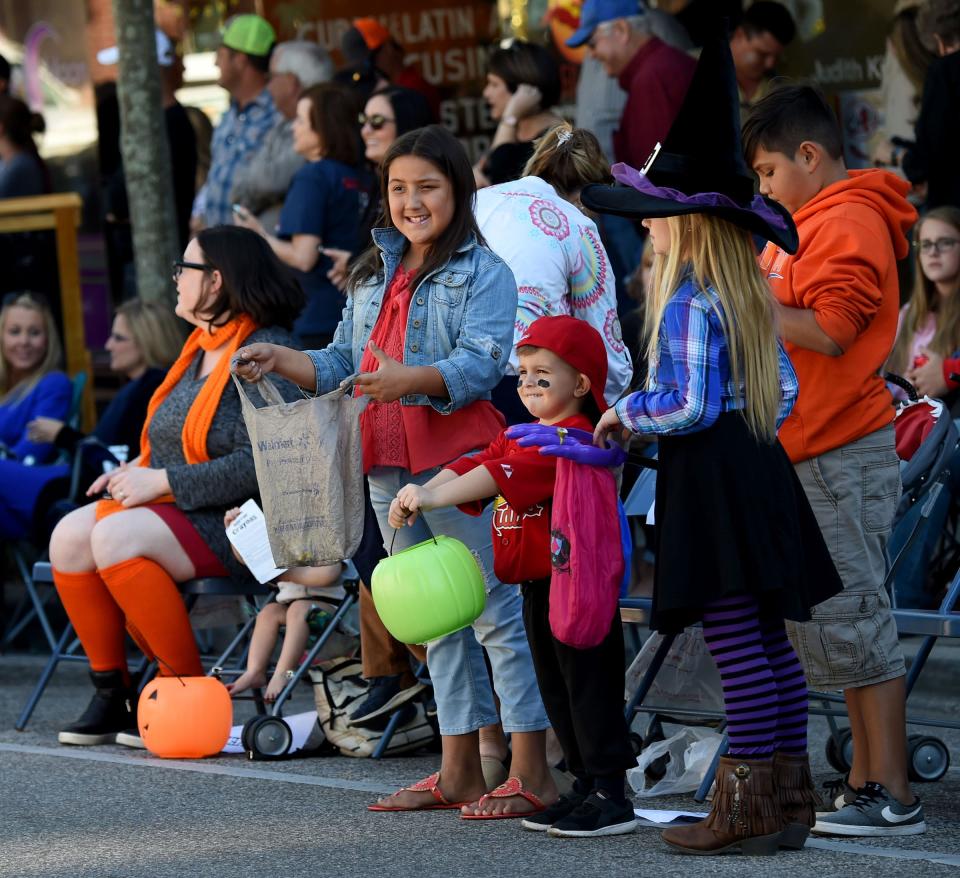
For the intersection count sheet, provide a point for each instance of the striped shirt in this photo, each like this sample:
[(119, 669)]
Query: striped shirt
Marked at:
[(239, 134), (689, 385)]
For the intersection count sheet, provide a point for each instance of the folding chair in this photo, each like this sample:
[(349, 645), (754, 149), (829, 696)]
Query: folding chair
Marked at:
[(66, 648), (24, 554)]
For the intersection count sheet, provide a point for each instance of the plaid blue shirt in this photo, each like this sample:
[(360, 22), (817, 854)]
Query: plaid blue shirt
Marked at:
[(689, 386), (236, 138)]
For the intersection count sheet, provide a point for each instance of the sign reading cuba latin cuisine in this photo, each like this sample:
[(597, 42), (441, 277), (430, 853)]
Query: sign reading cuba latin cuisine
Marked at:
[(448, 42)]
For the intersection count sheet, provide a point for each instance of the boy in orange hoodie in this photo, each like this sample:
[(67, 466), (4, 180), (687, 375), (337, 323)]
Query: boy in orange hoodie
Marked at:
[(837, 302)]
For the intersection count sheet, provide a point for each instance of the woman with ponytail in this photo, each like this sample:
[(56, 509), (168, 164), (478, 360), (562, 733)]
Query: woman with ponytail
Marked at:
[(536, 225), (117, 562)]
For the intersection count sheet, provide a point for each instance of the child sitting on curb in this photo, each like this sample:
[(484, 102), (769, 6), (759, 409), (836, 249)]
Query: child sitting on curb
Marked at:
[(562, 374), (293, 610)]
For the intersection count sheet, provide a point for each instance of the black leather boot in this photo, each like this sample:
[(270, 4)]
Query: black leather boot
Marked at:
[(111, 710)]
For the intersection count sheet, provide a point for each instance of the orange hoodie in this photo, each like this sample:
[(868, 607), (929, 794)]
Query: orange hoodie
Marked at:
[(845, 271)]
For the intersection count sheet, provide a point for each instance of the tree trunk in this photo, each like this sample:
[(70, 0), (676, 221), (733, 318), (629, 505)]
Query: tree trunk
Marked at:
[(146, 151)]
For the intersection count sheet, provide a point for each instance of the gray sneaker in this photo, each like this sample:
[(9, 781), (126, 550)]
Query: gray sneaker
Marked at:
[(874, 813), (836, 794)]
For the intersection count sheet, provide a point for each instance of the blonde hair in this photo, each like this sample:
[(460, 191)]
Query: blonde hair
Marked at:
[(155, 329), (926, 300), (568, 159), (51, 359), (723, 259)]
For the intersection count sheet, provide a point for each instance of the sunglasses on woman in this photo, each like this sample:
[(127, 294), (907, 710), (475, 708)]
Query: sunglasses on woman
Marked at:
[(28, 297), (376, 121)]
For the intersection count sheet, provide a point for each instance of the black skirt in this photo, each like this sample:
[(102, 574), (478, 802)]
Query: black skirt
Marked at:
[(732, 518)]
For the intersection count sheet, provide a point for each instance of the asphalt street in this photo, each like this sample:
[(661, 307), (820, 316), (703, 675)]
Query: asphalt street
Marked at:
[(111, 812)]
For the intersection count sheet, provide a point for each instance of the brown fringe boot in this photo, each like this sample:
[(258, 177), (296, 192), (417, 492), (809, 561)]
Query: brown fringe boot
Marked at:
[(745, 815), (798, 798)]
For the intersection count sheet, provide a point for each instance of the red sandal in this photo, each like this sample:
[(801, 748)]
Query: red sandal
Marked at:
[(512, 786), (428, 784)]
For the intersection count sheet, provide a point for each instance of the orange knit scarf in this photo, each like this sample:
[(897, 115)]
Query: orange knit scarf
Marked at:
[(196, 425)]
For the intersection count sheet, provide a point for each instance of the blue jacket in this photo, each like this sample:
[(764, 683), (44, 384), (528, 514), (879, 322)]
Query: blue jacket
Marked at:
[(460, 322)]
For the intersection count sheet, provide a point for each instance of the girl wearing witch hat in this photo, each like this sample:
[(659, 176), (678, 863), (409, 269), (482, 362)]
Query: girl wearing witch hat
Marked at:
[(737, 545)]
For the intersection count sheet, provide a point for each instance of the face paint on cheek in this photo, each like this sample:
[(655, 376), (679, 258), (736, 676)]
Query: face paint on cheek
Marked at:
[(542, 382), (519, 383)]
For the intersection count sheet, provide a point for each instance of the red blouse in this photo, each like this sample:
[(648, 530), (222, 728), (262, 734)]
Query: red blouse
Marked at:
[(415, 437)]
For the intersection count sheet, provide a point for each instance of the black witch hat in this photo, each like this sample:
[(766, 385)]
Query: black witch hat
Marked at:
[(699, 168)]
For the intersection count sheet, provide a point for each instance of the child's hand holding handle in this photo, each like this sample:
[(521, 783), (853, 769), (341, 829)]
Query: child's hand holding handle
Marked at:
[(407, 504)]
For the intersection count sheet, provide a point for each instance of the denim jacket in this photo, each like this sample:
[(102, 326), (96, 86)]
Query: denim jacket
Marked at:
[(460, 322)]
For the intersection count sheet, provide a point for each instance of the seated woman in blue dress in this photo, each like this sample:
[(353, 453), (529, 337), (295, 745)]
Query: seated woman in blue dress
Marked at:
[(145, 339), (31, 386)]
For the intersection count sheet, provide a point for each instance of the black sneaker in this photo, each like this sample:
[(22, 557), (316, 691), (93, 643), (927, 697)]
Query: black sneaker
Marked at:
[(597, 815), (384, 696), (111, 710), (566, 804)]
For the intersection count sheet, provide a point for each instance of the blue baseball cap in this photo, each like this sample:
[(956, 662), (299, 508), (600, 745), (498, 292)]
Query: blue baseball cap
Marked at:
[(596, 12)]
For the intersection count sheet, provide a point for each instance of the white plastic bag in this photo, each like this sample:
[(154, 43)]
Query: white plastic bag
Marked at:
[(688, 678), (690, 752)]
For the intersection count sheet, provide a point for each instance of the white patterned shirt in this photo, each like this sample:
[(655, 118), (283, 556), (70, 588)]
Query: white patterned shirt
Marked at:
[(560, 266)]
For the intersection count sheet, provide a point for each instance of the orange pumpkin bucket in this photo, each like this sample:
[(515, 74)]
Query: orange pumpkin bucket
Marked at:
[(184, 717)]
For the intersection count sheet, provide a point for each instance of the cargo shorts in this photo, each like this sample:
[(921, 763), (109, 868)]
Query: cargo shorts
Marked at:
[(851, 640)]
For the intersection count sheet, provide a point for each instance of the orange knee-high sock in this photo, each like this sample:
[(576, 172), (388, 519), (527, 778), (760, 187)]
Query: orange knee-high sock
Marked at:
[(154, 607), (96, 618)]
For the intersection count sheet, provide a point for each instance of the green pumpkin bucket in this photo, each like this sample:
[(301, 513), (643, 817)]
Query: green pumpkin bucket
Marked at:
[(429, 590)]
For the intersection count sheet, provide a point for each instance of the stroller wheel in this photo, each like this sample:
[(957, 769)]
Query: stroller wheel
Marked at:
[(928, 758), (839, 750), (270, 738), (247, 728)]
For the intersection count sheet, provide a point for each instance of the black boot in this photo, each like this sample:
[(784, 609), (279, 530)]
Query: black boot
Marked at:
[(111, 710)]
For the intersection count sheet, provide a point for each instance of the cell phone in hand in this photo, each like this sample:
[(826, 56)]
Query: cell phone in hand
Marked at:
[(239, 210)]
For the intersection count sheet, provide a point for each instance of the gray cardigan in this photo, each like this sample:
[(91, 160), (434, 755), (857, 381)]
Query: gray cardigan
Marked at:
[(204, 491)]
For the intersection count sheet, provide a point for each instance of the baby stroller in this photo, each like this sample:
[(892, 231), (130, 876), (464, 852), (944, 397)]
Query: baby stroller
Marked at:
[(927, 440)]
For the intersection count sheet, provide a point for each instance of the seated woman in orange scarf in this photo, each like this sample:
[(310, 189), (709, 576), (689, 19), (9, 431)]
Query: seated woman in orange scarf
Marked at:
[(116, 562)]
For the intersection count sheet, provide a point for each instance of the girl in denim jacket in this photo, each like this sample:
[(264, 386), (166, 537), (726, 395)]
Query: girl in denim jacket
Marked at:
[(429, 327)]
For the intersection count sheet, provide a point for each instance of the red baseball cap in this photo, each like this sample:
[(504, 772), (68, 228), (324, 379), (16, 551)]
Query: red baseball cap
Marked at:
[(575, 342)]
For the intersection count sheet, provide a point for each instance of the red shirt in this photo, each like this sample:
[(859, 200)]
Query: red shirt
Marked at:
[(656, 81), (415, 437), (521, 514)]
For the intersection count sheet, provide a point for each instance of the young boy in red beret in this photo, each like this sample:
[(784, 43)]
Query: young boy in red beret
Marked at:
[(562, 373)]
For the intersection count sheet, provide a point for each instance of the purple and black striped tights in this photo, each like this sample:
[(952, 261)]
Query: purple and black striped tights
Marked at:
[(764, 689)]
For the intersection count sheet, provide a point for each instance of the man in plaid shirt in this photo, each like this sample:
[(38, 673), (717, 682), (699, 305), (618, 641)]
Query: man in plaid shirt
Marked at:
[(243, 59)]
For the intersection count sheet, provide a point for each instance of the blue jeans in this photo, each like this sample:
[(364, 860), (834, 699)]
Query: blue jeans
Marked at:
[(461, 684)]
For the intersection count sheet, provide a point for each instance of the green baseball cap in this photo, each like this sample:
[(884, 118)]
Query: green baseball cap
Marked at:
[(249, 34)]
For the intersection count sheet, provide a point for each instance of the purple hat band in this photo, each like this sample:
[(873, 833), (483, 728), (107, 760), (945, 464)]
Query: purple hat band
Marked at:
[(623, 173)]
